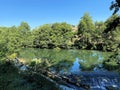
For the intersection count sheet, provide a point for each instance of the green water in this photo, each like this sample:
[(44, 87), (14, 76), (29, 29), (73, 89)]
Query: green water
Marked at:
[(67, 60)]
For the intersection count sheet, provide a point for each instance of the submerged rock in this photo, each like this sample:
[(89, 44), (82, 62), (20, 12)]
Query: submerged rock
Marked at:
[(24, 68)]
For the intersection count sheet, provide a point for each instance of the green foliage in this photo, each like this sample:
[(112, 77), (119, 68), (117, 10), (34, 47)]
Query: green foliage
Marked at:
[(111, 37), (24, 32), (13, 38), (86, 24), (99, 27), (62, 35), (12, 56), (3, 45), (85, 31), (100, 36), (113, 62), (43, 36), (52, 36), (3, 50), (10, 79)]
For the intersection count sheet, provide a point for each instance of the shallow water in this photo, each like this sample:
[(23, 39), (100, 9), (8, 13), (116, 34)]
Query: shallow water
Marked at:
[(67, 60)]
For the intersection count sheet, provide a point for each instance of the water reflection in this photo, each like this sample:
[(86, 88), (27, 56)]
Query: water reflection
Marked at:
[(67, 60), (75, 68), (75, 61)]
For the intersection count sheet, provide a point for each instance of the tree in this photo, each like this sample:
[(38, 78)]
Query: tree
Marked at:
[(115, 5), (86, 24), (3, 45), (52, 36), (63, 34), (110, 34), (85, 30), (42, 36), (9, 41), (112, 23), (99, 26), (24, 30), (13, 39)]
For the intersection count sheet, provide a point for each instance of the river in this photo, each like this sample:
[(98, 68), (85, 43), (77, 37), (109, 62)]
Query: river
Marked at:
[(83, 65), (68, 60)]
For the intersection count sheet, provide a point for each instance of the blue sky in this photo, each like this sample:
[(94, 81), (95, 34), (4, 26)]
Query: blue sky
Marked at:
[(39, 12)]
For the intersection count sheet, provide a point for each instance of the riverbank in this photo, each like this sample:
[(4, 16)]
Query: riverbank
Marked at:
[(17, 75), (11, 78), (81, 80)]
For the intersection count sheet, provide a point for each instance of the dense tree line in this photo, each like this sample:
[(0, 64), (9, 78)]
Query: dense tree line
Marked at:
[(90, 35), (98, 35), (53, 36)]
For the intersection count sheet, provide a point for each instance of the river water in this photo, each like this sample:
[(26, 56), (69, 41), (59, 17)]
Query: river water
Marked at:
[(67, 60), (87, 63)]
